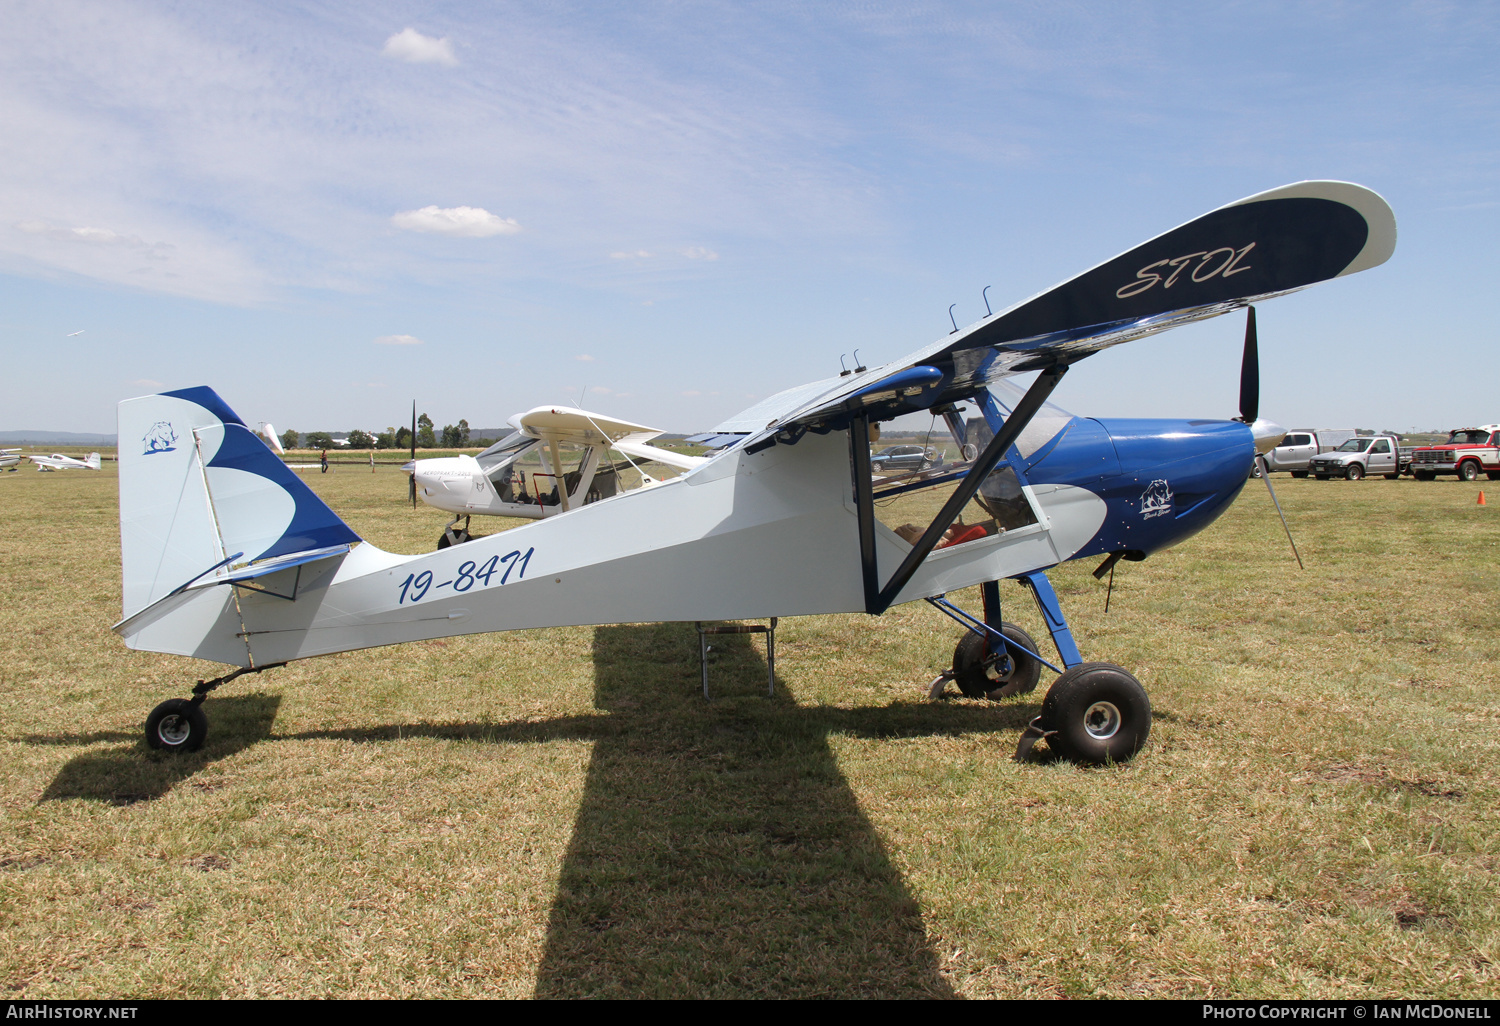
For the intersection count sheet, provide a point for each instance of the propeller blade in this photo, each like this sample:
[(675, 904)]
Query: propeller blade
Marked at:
[(1265, 473), (1250, 372)]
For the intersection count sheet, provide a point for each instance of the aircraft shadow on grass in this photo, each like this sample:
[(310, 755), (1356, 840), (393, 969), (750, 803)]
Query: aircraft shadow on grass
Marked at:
[(717, 848)]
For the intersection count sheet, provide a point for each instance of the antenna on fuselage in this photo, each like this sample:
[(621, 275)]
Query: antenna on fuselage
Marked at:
[(987, 311), (950, 317), (844, 372)]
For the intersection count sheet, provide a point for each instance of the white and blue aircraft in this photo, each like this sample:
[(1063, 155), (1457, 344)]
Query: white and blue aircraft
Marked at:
[(227, 556)]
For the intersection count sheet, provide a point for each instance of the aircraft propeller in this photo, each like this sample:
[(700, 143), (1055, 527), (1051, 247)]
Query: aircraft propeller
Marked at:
[(411, 489), (1267, 435)]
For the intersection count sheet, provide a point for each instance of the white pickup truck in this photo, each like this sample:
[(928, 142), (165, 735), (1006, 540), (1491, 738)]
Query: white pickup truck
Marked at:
[(1359, 457), (1299, 447)]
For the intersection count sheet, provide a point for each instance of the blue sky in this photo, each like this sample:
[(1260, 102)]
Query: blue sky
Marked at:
[(325, 212)]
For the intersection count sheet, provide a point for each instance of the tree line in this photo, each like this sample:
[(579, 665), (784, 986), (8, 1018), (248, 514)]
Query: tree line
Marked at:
[(452, 436)]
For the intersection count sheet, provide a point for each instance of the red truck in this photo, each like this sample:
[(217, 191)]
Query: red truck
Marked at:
[(1467, 453)]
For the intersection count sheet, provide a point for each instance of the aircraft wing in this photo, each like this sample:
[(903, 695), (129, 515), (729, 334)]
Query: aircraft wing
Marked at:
[(1262, 246), (566, 424)]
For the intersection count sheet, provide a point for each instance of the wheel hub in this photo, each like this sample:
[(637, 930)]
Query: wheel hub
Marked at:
[(1102, 720), (173, 729)]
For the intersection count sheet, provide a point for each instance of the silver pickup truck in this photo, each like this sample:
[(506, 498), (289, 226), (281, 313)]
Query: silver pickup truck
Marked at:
[(1299, 447), (1360, 457)]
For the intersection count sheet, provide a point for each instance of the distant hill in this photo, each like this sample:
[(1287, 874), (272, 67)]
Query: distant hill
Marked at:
[(54, 438)]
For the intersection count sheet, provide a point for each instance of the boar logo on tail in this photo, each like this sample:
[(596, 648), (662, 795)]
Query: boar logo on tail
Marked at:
[(161, 438)]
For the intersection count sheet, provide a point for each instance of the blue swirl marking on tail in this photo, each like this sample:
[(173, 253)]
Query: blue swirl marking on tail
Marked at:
[(313, 525)]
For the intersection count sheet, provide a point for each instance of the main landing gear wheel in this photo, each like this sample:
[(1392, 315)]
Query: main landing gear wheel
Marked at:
[(991, 675), (177, 725), (1100, 714)]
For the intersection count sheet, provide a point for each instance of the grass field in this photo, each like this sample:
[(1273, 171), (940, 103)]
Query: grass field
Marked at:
[(559, 813)]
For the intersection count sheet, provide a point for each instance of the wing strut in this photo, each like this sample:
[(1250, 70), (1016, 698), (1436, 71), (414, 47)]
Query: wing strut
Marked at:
[(878, 599)]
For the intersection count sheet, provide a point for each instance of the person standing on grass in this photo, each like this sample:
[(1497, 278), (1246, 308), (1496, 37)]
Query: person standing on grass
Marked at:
[(324, 461)]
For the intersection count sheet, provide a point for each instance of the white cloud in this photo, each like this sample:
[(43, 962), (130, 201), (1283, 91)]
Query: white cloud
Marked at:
[(146, 383), (96, 237), (398, 340), (466, 222), (411, 46), (639, 254), (584, 358), (699, 253)]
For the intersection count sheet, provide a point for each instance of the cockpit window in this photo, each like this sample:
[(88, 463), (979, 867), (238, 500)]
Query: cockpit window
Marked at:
[(505, 450), (1041, 429)]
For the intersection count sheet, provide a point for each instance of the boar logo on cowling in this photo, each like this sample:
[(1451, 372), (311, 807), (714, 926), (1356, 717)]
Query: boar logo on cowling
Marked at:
[(161, 438), (1156, 500)]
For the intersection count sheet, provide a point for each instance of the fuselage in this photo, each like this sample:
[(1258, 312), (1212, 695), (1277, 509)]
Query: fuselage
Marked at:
[(746, 535)]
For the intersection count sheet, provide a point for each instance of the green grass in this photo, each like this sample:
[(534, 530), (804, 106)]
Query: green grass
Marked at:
[(559, 813)]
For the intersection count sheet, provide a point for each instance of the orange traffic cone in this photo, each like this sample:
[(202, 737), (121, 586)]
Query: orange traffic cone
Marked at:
[(1481, 500)]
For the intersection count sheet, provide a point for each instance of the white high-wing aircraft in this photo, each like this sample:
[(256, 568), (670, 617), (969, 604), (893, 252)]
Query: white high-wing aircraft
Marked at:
[(9, 458), (228, 556), (57, 461), (519, 475)]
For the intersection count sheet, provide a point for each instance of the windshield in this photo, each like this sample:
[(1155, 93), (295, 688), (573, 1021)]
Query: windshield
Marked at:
[(1354, 445), (505, 450), (1467, 438)]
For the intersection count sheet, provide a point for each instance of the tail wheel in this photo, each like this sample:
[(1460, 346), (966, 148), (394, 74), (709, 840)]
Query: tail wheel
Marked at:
[(1100, 714), (177, 725), (981, 674)]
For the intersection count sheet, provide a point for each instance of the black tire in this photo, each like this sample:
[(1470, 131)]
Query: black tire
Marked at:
[(1255, 469), (1354, 472), (1393, 477), (177, 725), (1100, 712), (1423, 475), (1468, 470), (1321, 477), (1299, 473), (459, 537), (977, 675), (1493, 475)]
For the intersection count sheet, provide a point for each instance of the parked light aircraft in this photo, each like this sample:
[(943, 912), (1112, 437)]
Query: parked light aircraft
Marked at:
[(227, 556), (57, 461), (519, 475), (9, 458)]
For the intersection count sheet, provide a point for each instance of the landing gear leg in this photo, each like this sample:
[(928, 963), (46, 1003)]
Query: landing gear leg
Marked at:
[(451, 537), (178, 724), (1094, 712)]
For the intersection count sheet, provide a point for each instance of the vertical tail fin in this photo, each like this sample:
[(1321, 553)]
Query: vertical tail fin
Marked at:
[(92, 461), (198, 489)]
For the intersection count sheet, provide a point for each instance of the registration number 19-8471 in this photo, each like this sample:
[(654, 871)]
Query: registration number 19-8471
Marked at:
[(416, 587)]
